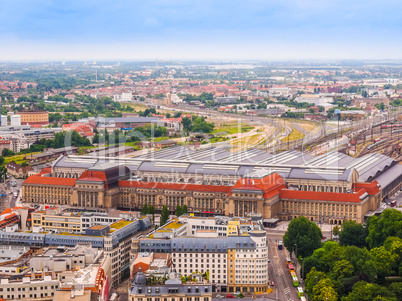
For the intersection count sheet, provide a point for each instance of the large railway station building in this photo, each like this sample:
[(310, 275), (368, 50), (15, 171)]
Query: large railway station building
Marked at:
[(331, 188)]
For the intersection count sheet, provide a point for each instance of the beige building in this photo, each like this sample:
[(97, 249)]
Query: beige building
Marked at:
[(226, 187)]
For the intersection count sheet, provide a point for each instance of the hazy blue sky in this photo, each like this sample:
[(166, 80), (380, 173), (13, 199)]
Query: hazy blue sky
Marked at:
[(219, 29)]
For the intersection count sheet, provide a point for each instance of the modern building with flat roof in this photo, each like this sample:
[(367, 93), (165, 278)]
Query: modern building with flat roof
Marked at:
[(236, 260)]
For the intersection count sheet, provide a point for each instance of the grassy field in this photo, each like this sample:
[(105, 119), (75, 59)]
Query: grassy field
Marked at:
[(245, 141), (18, 158), (233, 128), (294, 135), (310, 127), (137, 106)]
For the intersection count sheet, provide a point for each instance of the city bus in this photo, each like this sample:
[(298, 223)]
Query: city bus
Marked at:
[(295, 281), (288, 261), (300, 292)]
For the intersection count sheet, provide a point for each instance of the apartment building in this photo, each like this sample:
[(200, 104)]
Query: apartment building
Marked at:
[(113, 239), (235, 262), (172, 289)]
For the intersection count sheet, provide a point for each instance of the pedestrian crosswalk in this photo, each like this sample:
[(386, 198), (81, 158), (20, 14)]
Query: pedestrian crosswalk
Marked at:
[(280, 272), (287, 292)]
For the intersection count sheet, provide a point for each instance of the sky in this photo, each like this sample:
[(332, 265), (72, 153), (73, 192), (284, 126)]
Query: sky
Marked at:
[(200, 30)]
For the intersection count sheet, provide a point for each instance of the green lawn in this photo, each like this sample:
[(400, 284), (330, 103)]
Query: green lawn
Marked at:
[(18, 158), (294, 135), (233, 128)]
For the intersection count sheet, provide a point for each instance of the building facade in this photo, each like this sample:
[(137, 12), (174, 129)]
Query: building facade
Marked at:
[(272, 186)]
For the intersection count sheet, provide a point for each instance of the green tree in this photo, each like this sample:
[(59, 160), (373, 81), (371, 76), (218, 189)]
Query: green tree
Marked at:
[(179, 210), (324, 291), (389, 223), (342, 269), (7, 153), (304, 235), (383, 260), (151, 210), (312, 279), (353, 234), (164, 215), (3, 174), (396, 288), (336, 231), (186, 122), (144, 209), (362, 262), (363, 291), (1, 160)]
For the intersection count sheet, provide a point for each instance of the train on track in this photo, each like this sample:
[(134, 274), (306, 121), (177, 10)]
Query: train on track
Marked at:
[(388, 126)]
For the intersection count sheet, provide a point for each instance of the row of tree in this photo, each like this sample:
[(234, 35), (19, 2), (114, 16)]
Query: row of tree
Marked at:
[(197, 125), (165, 214), (356, 268), (62, 139)]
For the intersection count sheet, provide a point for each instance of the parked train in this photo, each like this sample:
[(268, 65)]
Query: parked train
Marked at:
[(376, 143), (395, 125)]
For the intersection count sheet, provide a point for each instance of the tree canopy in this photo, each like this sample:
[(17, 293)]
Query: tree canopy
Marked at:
[(164, 215), (304, 235), (389, 223), (353, 234)]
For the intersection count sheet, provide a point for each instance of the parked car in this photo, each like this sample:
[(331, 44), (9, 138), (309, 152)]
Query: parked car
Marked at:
[(230, 296)]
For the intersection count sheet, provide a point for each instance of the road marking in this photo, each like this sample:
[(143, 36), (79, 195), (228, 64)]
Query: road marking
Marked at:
[(287, 290), (280, 272)]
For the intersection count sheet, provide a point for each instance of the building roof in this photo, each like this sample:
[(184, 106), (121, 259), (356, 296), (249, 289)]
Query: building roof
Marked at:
[(355, 197), (372, 188), (110, 173), (391, 175), (44, 180), (175, 186), (269, 185), (131, 119)]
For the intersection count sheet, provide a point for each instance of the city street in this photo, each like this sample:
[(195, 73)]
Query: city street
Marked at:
[(277, 271)]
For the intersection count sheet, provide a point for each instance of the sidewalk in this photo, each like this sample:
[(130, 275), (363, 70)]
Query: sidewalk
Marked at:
[(283, 226)]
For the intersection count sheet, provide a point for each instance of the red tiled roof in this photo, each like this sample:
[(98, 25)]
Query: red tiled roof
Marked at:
[(322, 196), (9, 220), (371, 188), (6, 211), (93, 179), (39, 179), (46, 170), (270, 185), (100, 175), (175, 186)]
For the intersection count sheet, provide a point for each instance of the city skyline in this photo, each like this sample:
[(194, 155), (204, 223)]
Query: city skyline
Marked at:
[(228, 30)]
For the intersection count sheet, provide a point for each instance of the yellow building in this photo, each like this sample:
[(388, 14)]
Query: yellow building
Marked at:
[(34, 116)]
